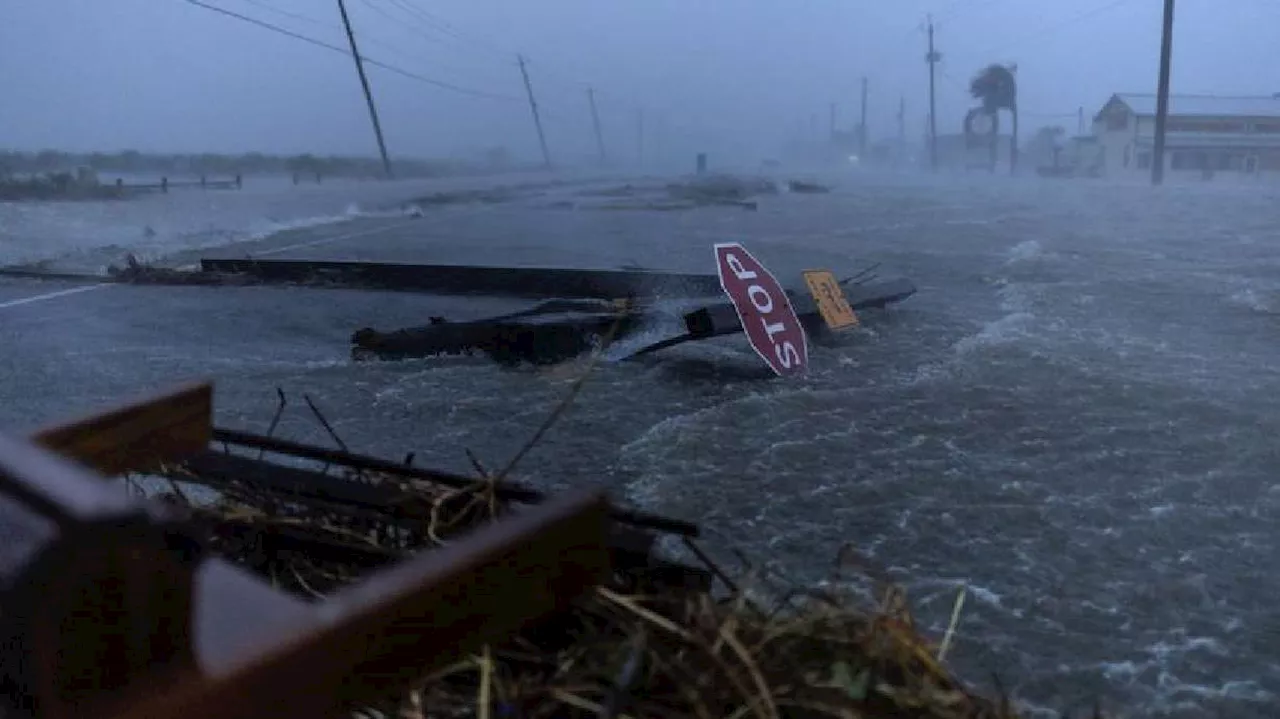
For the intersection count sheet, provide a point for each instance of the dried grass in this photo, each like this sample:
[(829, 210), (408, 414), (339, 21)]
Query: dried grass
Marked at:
[(633, 648), (667, 652)]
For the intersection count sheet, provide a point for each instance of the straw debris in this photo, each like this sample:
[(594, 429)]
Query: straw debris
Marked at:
[(658, 639), (635, 647)]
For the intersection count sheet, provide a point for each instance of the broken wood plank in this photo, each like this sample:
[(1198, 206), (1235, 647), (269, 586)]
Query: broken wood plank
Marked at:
[(527, 282), (372, 640), (96, 584), (139, 435), (507, 490)]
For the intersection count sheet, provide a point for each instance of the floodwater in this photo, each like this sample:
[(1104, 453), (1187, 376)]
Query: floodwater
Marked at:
[(88, 236), (1075, 418)]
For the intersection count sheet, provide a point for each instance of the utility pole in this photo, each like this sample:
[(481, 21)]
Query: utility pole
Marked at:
[(902, 129), (1162, 94), (932, 58), (595, 122), (862, 127), (832, 131), (368, 94), (533, 106), (640, 137)]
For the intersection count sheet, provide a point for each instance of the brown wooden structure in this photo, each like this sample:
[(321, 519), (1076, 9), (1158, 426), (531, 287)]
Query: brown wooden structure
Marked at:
[(110, 605)]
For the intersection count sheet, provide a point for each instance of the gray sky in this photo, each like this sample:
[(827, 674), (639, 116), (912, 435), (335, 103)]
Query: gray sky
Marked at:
[(743, 74)]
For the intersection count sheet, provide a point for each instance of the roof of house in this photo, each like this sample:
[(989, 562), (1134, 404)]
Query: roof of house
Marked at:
[(1204, 105)]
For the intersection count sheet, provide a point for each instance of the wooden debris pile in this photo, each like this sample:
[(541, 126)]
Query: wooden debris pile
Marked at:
[(659, 639)]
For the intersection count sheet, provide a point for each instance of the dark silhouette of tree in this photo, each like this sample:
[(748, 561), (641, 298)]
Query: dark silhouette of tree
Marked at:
[(997, 89)]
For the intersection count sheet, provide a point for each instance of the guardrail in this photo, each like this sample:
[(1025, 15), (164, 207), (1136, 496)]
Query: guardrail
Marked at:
[(165, 184)]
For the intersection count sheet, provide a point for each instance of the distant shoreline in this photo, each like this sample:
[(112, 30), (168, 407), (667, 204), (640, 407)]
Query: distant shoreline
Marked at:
[(29, 164), (59, 176)]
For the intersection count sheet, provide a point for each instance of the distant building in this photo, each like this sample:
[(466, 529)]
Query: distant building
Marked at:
[(1205, 136)]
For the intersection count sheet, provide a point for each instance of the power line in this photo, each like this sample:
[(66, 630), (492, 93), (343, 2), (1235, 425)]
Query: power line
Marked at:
[(445, 27), (678, 127), (364, 37), (958, 6), (371, 61), (418, 33), (440, 31), (1046, 29), (290, 14)]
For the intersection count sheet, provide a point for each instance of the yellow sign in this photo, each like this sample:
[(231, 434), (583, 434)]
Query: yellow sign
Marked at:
[(826, 291)]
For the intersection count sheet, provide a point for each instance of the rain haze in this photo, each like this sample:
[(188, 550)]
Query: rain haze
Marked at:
[(170, 76), (1039, 375)]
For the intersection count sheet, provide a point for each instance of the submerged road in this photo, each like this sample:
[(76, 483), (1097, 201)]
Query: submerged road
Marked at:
[(1074, 418)]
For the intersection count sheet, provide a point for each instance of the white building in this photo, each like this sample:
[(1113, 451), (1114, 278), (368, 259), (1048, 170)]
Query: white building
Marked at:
[(1206, 137)]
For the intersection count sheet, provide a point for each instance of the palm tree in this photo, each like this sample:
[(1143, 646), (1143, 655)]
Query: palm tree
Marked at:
[(996, 88)]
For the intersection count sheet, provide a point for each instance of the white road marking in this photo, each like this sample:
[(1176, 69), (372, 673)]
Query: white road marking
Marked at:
[(195, 266), (53, 295), (327, 240)]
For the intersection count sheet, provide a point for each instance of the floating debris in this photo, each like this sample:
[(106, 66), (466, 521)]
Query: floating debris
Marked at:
[(801, 187), (659, 639)]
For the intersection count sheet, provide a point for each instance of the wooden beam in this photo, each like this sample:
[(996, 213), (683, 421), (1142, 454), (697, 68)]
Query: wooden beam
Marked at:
[(379, 637), (139, 435)]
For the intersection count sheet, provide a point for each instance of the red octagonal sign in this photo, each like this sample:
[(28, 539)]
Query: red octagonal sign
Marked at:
[(763, 308)]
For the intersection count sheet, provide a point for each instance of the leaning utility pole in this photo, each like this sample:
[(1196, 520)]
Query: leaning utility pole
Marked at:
[(533, 106), (902, 129), (595, 122), (368, 94), (1162, 94), (932, 58), (640, 137), (862, 127)]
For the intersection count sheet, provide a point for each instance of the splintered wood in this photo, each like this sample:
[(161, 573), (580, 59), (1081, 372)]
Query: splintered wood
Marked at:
[(137, 436), (241, 648)]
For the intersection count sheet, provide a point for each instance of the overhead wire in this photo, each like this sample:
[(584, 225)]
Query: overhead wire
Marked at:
[(364, 37), (958, 6), (365, 58), (395, 21), (1052, 27), (444, 26), (290, 14), (657, 119)]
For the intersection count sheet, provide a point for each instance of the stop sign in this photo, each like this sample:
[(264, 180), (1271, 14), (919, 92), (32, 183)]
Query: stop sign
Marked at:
[(763, 308)]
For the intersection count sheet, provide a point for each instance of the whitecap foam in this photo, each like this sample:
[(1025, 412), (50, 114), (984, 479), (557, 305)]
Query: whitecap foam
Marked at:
[(1251, 298), (1005, 330), (1025, 250)]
